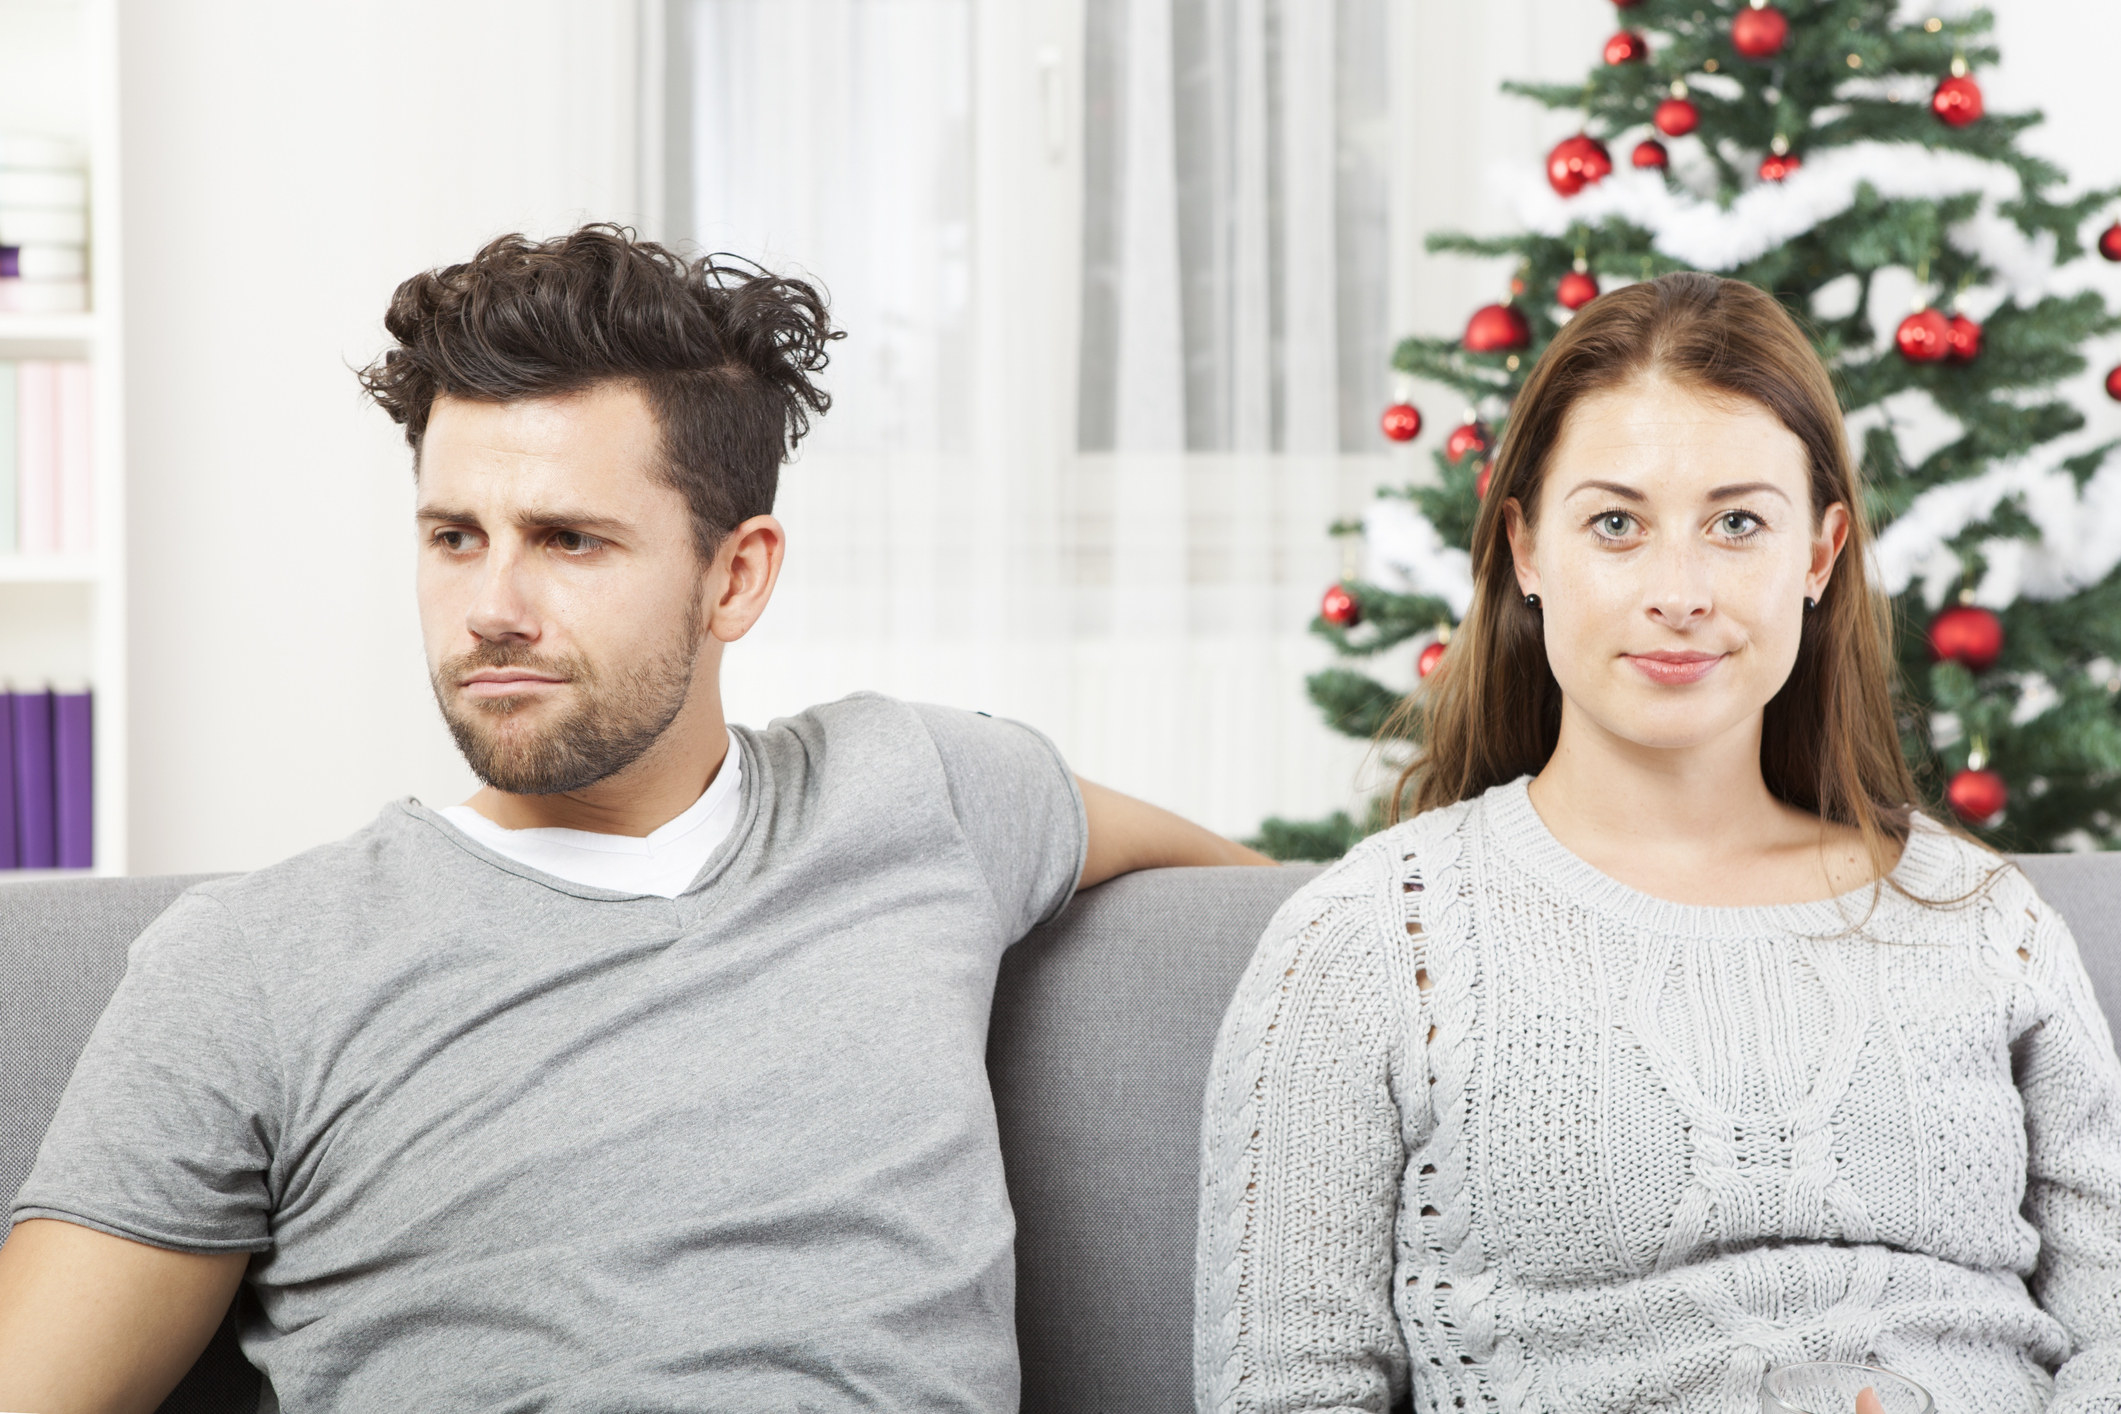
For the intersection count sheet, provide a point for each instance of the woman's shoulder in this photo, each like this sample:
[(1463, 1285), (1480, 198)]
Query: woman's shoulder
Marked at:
[(1941, 867), (1368, 884)]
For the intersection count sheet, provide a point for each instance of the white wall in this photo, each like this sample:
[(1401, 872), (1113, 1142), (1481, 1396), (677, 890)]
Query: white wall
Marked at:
[(286, 165)]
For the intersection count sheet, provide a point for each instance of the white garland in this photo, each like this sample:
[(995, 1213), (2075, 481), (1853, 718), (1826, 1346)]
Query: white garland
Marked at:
[(1406, 555), (1702, 234), (2080, 534)]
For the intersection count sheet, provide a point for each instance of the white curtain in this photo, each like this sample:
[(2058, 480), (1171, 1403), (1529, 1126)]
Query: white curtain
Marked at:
[(1117, 330)]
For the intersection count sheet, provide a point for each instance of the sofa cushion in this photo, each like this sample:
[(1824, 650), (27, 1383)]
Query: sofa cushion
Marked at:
[(1103, 1023)]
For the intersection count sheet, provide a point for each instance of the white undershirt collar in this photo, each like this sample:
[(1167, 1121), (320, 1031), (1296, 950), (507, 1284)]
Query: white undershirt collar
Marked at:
[(663, 863)]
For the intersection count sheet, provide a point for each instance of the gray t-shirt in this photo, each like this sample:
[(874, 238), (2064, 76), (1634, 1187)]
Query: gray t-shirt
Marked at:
[(503, 1142)]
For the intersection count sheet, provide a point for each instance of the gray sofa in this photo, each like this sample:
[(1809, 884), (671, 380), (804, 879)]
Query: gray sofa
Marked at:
[(1102, 1026)]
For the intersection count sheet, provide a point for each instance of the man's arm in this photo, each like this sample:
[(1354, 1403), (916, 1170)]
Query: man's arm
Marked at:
[(96, 1324), (1128, 834)]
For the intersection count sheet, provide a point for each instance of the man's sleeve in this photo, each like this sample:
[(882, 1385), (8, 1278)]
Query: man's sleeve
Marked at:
[(166, 1131), (1017, 802)]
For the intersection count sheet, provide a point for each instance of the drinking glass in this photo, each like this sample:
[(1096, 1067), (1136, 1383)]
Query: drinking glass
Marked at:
[(1831, 1387)]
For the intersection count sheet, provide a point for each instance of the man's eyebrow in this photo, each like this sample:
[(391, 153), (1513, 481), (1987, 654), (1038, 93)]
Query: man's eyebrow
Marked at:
[(529, 520)]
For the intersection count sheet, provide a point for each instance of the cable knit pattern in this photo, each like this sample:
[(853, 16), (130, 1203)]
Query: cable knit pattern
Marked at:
[(1487, 1126)]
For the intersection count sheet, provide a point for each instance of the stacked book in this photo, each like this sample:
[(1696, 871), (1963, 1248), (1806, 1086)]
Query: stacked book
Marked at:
[(43, 226), (48, 774), (47, 472)]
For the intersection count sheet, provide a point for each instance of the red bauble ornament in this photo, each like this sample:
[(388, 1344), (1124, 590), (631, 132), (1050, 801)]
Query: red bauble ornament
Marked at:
[(1430, 657), (1497, 328), (1465, 439), (1576, 289), (1924, 337), (1576, 162), (1966, 633), (2110, 242), (1676, 117), (1977, 797), (2113, 384), (1650, 153), (1626, 47), (1339, 608), (1480, 482), (1777, 165), (1401, 422), (1760, 34), (1962, 340), (1957, 101)]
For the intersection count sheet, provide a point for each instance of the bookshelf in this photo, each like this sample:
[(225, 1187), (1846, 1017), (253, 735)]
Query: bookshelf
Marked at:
[(63, 616)]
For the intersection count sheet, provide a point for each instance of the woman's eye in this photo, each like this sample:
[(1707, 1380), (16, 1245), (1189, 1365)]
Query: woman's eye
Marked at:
[(1738, 524), (1613, 525)]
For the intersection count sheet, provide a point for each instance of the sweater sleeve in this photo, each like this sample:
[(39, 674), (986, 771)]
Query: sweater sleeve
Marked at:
[(2071, 1084), (1302, 1155)]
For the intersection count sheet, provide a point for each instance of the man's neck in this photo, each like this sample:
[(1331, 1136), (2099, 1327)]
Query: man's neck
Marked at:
[(665, 782)]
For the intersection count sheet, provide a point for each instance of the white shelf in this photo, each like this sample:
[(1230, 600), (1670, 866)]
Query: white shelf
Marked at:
[(42, 876), (50, 569), (47, 335)]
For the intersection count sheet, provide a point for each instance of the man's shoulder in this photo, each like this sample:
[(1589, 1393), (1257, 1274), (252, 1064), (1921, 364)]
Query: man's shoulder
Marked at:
[(864, 732), (365, 871)]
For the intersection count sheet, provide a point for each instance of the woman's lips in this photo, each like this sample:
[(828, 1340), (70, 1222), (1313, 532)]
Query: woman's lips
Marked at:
[(1675, 669)]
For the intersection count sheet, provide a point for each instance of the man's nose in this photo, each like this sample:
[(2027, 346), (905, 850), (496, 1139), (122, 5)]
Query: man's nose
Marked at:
[(503, 607)]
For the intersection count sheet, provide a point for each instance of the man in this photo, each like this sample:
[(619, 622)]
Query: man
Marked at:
[(649, 1079)]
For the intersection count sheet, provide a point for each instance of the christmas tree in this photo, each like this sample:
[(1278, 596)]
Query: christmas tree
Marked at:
[(1841, 157)]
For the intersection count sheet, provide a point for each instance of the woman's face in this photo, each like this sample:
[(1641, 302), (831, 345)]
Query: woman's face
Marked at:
[(1672, 555)]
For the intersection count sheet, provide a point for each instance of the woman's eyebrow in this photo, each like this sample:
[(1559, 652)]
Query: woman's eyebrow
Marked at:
[(1747, 488), (1612, 488)]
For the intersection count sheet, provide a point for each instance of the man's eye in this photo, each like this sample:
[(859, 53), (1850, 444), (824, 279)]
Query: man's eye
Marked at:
[(452, 539), (573, 542)]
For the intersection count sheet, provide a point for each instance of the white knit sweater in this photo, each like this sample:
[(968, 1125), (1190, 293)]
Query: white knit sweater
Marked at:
[(1485, 1120)]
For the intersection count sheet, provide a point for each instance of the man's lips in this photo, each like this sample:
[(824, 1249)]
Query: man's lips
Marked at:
[(1675, 668), (507, 682)]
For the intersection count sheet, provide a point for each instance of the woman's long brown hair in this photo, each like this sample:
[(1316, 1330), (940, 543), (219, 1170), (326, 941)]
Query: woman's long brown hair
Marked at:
[(1491, 710)]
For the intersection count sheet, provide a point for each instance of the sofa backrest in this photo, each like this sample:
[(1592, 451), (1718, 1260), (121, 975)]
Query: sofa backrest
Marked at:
[(1103, 1023)]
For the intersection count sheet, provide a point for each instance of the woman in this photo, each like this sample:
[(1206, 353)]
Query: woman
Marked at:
[(1665, 1043)]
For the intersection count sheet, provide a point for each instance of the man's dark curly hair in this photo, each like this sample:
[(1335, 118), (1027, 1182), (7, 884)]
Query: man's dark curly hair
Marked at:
[(724, 351)]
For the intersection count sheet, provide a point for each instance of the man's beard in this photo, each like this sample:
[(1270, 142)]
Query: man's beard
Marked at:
[(611, 726)]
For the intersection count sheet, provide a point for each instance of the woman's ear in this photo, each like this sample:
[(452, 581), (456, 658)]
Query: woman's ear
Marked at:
[(1827, 541), (1520, 534)]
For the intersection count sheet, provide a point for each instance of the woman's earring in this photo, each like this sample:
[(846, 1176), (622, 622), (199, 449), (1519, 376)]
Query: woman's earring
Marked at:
[(1811, 605), (1531, 601)]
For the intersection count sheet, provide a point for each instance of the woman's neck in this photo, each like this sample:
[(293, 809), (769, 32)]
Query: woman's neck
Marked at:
[(1697, 825)]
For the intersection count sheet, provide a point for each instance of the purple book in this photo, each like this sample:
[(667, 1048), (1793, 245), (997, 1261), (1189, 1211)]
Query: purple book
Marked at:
[(73, 778), (10, 858), (36, 823)]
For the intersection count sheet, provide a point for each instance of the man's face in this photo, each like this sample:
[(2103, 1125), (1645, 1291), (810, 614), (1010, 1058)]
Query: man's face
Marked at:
[(561, 596)]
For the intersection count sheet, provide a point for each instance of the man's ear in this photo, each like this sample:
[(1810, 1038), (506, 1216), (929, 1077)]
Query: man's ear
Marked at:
[(740, 580), (1513, 524)]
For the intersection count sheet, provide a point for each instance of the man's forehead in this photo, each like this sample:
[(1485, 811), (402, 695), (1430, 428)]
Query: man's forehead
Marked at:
[(599, 442)]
